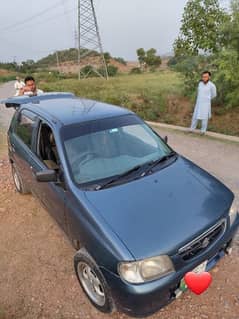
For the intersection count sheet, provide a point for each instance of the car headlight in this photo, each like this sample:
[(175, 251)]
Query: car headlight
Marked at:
[(233, 212), (146, 270)]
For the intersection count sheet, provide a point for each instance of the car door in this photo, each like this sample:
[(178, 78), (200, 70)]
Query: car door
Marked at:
[(51, 194), (20, 142)]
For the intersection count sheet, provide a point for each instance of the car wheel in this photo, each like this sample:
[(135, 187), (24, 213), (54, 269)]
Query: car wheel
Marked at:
[(18, 182), (92, 281)]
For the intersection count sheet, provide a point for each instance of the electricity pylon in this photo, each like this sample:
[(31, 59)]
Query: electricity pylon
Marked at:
[(89, 40)]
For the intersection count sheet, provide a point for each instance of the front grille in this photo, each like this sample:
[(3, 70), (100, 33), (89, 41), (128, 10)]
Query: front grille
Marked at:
[(203, 242)]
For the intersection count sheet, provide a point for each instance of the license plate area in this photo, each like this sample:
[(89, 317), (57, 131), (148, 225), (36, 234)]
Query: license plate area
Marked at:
[(199, 269)]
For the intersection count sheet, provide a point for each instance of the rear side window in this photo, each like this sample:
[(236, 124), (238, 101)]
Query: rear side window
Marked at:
[(24, 126)]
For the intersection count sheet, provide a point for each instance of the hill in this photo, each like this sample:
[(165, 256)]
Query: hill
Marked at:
[(66, 61)]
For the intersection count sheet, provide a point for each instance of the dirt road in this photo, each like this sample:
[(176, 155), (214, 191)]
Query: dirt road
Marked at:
[(6, 90), (36, 271)]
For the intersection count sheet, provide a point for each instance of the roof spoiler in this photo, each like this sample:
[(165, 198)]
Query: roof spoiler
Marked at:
[(17, 101)]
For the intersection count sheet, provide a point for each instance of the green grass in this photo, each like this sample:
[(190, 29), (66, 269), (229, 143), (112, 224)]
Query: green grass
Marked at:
[(155, 97), (7, 78), (145, 94)]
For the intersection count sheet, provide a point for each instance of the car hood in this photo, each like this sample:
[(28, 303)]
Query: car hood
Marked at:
[(159, 213)]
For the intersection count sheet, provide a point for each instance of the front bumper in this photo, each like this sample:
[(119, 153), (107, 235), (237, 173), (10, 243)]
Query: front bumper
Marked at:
[(145, 299)]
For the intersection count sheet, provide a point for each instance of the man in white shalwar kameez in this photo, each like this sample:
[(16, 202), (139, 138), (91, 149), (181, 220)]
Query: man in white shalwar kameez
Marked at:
[(18, 85), (206, 92)]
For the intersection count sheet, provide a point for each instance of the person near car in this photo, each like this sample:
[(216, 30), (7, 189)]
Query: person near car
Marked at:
[(30, 87), (18, 85), (205, 93)]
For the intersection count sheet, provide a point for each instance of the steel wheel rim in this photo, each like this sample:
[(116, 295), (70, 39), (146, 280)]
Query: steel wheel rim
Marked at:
[(91, 284), (16, 181)]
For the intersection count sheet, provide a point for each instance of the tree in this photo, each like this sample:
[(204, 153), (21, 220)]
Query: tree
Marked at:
[(28, 66), (107, 57), (201, 28), (152, 59), (223, 59), (141, 57), (227, 60), (148, 58), (230, 29)]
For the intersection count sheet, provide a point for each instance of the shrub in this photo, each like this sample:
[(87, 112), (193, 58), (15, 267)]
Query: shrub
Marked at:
[(121, 60), (135, 71), (112, 70)]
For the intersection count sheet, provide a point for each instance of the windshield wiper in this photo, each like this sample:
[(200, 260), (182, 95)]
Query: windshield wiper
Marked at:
[(158, 161), (136, 168), (118, 177)]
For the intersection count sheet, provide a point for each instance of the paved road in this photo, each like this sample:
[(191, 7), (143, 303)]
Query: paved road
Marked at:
[(6, 90)]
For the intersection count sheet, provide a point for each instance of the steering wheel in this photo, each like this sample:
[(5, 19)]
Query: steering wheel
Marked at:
[(83, 158)]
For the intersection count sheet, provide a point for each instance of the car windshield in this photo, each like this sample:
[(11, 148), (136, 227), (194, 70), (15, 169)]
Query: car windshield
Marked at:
[(99, 150)]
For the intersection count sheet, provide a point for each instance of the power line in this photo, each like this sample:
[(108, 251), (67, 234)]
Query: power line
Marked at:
[(70, 27), (22, 27), (46, 20), (37, 15)]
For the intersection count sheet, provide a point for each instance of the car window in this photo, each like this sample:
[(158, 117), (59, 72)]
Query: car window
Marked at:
[(24, 126), (46, 147), (109, 147), (13, 121), (139, 132)]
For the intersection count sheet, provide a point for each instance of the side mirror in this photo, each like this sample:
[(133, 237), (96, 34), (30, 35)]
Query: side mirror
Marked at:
[(165, 139), (48, 175), (14, 105)]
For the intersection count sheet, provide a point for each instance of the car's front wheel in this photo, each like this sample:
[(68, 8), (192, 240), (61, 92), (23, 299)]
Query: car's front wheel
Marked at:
[(93, 282)]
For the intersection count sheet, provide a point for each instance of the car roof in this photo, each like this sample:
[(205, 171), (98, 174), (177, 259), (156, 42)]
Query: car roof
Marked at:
[(69, 109)]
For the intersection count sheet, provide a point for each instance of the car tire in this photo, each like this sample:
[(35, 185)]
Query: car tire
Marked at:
[(93, 282), (20, 186)]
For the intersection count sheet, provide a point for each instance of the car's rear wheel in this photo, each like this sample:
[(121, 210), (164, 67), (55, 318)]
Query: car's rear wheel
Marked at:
[(92, 282), (20, 186)]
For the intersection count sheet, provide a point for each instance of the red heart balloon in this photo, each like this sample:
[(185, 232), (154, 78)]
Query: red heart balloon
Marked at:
[(198, 283)]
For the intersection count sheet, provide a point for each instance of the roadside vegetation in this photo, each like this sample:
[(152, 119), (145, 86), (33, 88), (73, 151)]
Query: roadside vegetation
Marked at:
[(6, 76), (145, 94), (209, 40), (156, 96)]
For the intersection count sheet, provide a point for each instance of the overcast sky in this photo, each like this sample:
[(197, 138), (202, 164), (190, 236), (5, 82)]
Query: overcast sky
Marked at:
[(33, 29)]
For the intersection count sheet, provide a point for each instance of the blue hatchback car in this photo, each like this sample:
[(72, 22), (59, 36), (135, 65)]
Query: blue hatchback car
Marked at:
[(139, 215)]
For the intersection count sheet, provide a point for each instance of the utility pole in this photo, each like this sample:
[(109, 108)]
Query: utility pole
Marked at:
[(89, 41), (76, 38), (79, 42), (57, 61)]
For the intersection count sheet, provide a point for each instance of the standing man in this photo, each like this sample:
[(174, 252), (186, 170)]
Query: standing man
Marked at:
[(206, 92), (30, 88), (18, 85)]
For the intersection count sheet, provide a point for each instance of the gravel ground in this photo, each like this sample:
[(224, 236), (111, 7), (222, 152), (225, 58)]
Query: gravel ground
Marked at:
[(37, 279)]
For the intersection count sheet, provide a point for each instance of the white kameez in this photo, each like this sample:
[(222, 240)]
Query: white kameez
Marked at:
[(18, 85), (206, 92)]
